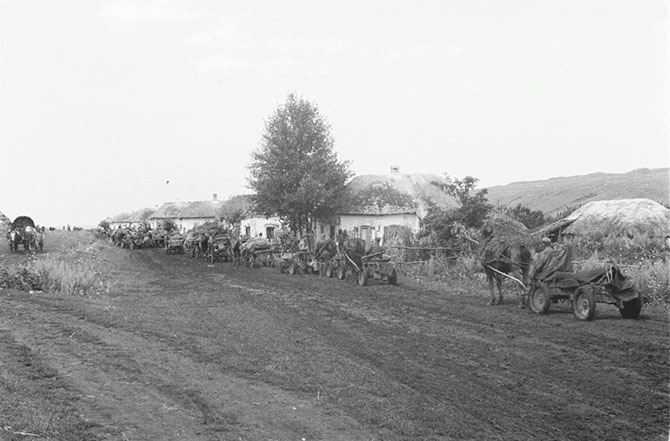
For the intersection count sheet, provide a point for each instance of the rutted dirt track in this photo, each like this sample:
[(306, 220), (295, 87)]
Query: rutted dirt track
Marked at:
[(182, 350)]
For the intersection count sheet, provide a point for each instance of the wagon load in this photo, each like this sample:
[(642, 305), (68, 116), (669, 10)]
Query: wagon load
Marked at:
[(174, 243), (298, 256), (23, 221), (257, 250), (364, 263), (583, 289), (191, 243), (158, 237), (219, 247)]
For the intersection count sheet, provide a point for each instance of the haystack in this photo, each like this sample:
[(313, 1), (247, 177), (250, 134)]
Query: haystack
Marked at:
[(500, 225), (625, 222), (5, 224)]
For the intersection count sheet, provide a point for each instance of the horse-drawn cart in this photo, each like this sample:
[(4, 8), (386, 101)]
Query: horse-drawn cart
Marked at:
[(258, 251), (584, 289), (299, 262), (364, 267), (174, 244), (219, 248)]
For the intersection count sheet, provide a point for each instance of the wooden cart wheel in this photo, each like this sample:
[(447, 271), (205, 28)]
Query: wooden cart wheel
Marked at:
[(584, 304), (393, 278), (539, 300), (631, 309), (363, 277)]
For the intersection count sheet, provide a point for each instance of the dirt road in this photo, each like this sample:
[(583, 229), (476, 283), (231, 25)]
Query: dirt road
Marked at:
[(182, 350)]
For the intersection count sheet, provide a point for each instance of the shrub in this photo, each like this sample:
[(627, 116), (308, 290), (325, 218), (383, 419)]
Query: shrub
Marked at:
[(74, 278), (18, 277)]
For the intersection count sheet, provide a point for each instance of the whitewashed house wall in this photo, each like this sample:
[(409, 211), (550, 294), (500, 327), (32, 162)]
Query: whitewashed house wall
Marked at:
[(253, 226), (374, 224)]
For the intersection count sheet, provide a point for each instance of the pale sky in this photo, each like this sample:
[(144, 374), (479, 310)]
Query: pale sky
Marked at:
[(103, 102)]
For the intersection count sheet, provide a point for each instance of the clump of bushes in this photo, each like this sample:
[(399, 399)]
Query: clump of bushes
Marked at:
[(75, 278), (20, 277)]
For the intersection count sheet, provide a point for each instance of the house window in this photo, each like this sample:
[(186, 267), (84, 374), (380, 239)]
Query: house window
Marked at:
[(270, 232), (247, 231), (366, 233), (332, 231)]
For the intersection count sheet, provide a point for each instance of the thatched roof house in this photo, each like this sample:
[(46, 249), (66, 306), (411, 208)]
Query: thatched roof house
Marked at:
[(240, 213), (625, 222), (237, 206), (379, 201), (185, 215), (136, 218)]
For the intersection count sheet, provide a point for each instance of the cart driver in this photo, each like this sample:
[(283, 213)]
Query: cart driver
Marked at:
[(552, 258)]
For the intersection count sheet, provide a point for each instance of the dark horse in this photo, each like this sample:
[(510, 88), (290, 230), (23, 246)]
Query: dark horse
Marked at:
[(325, 251), (499, 257), (354, 249)]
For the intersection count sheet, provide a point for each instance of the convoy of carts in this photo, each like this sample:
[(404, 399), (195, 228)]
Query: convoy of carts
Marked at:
[(582, 289)]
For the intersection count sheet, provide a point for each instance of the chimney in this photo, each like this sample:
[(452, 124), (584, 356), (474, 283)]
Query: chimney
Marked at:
[(395, 169), (214, 196)]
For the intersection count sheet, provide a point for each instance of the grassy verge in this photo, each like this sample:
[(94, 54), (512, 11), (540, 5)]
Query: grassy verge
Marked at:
[(70, 265)]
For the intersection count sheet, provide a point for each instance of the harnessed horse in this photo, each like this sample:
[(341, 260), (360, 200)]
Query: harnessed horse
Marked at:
[(15, 238), (501, 258)]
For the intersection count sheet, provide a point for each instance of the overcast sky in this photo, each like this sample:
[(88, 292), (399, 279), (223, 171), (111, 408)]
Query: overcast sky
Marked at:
[(110, 106)]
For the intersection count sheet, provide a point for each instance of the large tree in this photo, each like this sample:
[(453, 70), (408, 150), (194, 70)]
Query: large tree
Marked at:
[(447, 224), (295, 172)]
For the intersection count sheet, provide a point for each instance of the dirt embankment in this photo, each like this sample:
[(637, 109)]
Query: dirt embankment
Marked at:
[(182, 350)]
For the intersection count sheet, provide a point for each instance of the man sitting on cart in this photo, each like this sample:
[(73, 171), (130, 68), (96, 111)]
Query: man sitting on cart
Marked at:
[(553, 258)]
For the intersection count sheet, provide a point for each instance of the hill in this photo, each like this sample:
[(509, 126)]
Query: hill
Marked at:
[(555, 194)]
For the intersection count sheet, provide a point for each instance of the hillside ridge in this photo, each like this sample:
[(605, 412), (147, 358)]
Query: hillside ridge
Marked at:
[(554, 194)]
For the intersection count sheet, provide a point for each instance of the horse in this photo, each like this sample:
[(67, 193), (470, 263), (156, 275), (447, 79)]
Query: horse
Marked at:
[(500, 257), (325, 251), (29, 239), (15, 238), (354, 249), (39, 239)]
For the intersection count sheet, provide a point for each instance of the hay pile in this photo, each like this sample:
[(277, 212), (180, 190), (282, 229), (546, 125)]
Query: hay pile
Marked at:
[(5, 224), (626, 222), (500, 225)]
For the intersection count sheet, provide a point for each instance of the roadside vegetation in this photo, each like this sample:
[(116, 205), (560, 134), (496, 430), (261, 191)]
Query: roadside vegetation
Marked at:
[(71, 264)]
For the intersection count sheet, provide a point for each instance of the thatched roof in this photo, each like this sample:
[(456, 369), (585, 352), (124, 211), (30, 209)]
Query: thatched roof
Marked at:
[(187, 210), (120, 218), (237, 204), (627, 219), (412, 193), (140, 215)]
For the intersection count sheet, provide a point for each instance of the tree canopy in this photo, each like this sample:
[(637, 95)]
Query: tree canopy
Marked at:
[(446, 225), (530, 218), (295, 172)]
